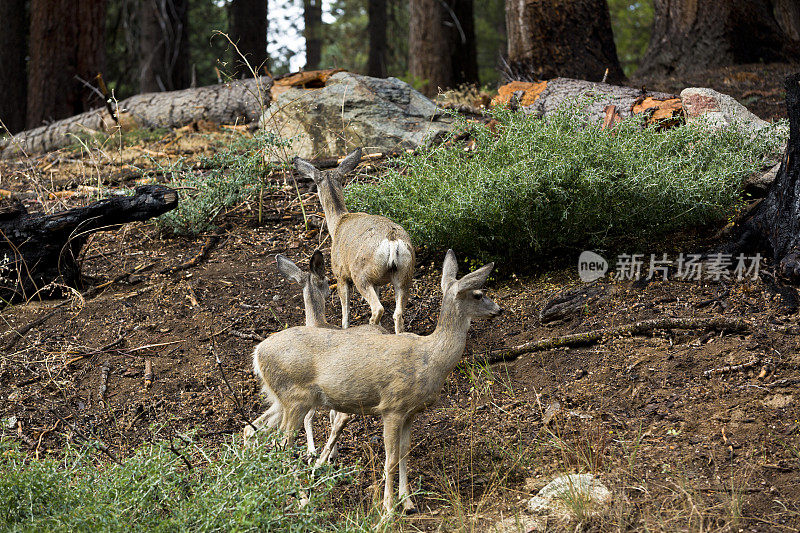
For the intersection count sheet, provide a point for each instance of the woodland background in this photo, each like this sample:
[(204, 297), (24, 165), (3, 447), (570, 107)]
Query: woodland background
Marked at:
[(52, 51)]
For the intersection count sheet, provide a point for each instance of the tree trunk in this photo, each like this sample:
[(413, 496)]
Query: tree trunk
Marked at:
[(67, 39), (690, 35), (13, 78), (37, 250), (376, 29), (249, 32), (429, 60), (774, 225), (569, 38), (463, 46), (238, 102), (312, 16), (164, 46)]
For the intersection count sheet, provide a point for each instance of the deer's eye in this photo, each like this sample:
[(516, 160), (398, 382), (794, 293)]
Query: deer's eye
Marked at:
[(477, 295)]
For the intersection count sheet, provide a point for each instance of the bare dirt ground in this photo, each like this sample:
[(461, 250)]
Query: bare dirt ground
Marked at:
[(690, 429)]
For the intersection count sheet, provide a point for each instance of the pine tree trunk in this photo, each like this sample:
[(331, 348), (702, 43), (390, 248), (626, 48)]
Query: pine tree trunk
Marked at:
[(13, 74), (376, 29), (690, 35), (429, 58), (249, 32), (774, 225), (312, 16), (568, 38), (463, 46), (67, 39), (164, 45)]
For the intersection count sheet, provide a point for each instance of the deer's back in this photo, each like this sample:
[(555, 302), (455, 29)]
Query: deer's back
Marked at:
[(357, 238)]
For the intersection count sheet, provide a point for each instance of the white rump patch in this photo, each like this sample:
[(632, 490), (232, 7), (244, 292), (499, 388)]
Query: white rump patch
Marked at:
[(395, 254)]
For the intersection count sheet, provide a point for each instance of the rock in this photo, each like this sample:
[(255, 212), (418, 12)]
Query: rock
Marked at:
[(570, 494), (718, 110), (354, 111), (760, 182)]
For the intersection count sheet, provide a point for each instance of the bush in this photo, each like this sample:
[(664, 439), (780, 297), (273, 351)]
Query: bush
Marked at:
[(540, 187), (223, 180), (228, 488)]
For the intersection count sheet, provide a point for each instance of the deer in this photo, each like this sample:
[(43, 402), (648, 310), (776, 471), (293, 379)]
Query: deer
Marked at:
[(367, 251), (315, 289), (392, 376)]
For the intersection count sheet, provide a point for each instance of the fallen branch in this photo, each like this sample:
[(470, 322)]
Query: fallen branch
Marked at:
[(732, 368), (244, 335), (101, 391), (230, 388), (636, 328), (200, 257)]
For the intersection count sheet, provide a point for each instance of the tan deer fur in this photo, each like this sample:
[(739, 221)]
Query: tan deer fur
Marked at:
[(394, 376), (367, 251), (315, 288)]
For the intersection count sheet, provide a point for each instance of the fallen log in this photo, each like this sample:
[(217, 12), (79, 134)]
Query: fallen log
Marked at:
[(240, 101), (544, 97), (39, 251)]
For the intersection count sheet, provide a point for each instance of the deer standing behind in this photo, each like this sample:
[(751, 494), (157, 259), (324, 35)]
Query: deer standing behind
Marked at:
[(314, 285), (394, 376), (367, 251)]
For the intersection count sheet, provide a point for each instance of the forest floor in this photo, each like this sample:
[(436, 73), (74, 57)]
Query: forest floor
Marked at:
[(690, 429)]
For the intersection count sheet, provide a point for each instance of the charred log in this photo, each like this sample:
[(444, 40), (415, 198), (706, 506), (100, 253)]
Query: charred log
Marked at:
[(774, 225), (37, 251)]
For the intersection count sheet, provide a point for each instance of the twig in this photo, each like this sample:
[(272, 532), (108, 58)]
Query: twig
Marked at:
[(243, 335), (228, 384), (731, 368), (148, 373), (26, 439), (97, 443), (636, 328), (101, 391), (196, 260), (179, 454)]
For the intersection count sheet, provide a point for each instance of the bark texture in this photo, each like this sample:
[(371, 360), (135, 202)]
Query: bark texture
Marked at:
[(37, 250), (774, 225), (463, 47), (249, 32), (164, 45), (428, 53), (13, 74), (694, 35), (569, 38), (66, 40), (312, 31), (376, 29), (229, 103)]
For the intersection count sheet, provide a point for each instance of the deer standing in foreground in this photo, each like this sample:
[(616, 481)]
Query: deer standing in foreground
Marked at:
[(394, 376), (316, 291), (367, 251)]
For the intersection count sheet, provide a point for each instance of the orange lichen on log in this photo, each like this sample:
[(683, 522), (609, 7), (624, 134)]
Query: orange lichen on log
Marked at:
[(669, 110), (310, 79), (531, 91)]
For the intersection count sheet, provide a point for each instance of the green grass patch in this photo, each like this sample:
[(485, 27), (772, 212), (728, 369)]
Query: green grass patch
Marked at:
[(537, 188), (228, 488)]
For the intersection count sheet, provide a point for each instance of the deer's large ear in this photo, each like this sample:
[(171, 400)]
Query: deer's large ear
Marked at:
[(475, 280), (449, 269), (289, 269), (306, 169), (349, 163), (316, 264)]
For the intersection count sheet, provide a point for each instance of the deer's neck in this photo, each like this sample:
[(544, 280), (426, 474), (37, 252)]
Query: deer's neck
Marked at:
[(315, 311), (332, 201), (449, 338)]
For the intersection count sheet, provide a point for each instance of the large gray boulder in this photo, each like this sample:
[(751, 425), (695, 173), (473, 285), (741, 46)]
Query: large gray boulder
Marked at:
[(354, 111), (718, 110), (570, 495)]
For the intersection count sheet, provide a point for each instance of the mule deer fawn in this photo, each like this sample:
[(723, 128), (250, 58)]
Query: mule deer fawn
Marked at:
[(394, 376), (314, 285), (367, 251)]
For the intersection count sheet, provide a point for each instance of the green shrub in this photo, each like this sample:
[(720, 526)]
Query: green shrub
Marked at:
[(229, 488), (218, 182), (540, 187)]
